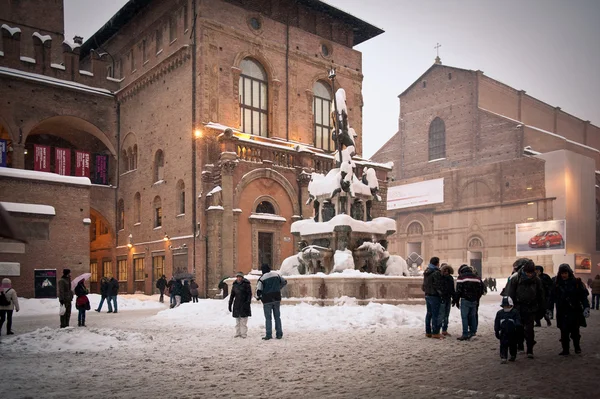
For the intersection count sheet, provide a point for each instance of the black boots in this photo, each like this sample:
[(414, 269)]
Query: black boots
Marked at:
[(576, 346), (565, 349)]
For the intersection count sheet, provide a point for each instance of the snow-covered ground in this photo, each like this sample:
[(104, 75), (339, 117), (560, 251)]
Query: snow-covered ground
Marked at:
[(147, 350)]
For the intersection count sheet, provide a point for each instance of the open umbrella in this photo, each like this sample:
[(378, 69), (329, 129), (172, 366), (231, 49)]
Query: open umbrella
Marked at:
[(8, 228), (77, 279)]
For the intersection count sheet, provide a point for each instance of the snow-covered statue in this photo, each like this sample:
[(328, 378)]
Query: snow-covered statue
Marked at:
[(382, 262)]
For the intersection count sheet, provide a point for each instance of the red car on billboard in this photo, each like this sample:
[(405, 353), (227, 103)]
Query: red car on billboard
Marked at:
[(546, 239)]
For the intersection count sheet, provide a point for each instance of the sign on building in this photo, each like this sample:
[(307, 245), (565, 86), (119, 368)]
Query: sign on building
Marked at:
[(416, 194), (541, 238), (45, 283)]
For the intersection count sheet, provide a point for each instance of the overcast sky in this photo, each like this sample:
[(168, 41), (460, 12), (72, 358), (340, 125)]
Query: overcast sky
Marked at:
[(549, 48)]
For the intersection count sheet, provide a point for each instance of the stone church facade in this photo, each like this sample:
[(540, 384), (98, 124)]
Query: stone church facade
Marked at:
[(178, 139), (504, 158)]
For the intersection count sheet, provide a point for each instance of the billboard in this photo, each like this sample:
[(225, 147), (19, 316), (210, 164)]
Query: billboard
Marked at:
[(583, 263), (541, 238), (416, 194)]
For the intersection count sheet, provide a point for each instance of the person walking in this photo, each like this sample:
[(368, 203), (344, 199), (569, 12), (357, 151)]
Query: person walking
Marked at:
[(161, 284), (268, 290), (65, 297), (572, 307), (596, 292), (505, 326), (527, 292), (194, 290), (239, 304), (9, 301), (547, 284), (171, 290), (82, 303), (469, 289), (113, 292), (447, 299), (103, 293), (176, 293), (432, 287)]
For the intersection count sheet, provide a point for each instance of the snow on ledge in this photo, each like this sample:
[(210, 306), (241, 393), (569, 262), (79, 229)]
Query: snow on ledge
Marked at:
[(35, 209), (1, 53), (114, 79), (86, 73), (43, 38), (214, 191), (10, 30), (27, 59), (45, 176), (215, 207), (267, 216), (73, 46), (58, 66), (87, 220), (377, 226)]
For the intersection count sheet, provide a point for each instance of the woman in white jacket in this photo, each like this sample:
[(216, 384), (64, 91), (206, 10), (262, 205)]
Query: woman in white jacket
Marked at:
[(6, 307)]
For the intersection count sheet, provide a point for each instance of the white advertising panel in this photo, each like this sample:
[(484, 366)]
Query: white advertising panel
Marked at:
[(541, 238), (416, 194)]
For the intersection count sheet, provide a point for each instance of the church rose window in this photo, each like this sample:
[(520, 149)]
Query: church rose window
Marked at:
[(253, 98)]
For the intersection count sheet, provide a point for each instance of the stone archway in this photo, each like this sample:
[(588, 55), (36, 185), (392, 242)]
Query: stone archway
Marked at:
[(268, 174), (102, 237)]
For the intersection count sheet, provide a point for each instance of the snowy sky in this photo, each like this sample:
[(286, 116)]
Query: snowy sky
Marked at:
[(549, 48)]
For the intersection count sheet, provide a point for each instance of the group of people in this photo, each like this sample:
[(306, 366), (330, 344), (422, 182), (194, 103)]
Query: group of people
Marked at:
[(179, 290), (490, 283), (109, 291), (530, 295), (268, 291)]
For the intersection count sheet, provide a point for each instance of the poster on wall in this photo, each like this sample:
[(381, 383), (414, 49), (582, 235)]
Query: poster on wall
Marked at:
[(541, 238), (41, 162), (45, 283), (583, 263), (3, 153), (82, 164), (62, 161), (416, 194), (100, 171)]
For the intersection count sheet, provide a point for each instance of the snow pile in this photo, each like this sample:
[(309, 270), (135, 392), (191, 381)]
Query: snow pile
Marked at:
[(396, 266), (289, 266), (342, 260), (73, 339), (376, 226)]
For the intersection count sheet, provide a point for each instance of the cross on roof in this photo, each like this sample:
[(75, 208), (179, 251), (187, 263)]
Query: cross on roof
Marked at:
[(437, 48)]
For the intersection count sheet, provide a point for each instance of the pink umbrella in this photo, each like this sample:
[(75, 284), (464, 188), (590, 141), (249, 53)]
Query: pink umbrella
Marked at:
[(77, 279)]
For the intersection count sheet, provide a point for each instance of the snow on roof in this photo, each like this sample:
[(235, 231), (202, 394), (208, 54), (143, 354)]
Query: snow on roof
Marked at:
[(45, 176), (54, 81), (72, 45), (217, 126), (27, 59), (35, 209), (10, 30), (376, 226), (43, 38), (267, 216)]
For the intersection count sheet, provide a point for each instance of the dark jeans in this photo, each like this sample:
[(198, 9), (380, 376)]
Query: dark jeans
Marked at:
[(432, 318), (468, 314), (101, 303), (194, 298), (508, 342), (596, 301), (272, 307), (162, 296), (528, 334), (445, 314), (81, 317), (64, 319), (6, 315), (572, 330), (112, 307)]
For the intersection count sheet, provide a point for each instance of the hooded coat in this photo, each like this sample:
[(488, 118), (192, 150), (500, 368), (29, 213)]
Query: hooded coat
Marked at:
[(432, 281), (240, 298), (527, 293), (570, 297)]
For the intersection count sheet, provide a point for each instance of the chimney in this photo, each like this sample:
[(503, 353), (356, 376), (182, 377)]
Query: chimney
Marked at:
[(78, 40)]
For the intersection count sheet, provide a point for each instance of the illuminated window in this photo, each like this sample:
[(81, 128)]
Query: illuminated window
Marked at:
[(122, 269), (138, 268), (253, 98), (322, 116)]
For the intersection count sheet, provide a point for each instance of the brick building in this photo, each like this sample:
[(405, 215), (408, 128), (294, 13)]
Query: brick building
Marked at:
[(189, 124), (498, 157)]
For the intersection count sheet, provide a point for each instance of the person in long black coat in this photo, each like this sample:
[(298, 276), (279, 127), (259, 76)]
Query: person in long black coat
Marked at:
[(239, 304), (572, 307)]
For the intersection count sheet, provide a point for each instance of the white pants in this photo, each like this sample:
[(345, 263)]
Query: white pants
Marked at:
[(241, 327)]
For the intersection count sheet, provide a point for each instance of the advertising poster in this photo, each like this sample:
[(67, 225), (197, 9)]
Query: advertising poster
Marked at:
[(62, 161), (416, 194), (541, 238), (3, 153), (583, 263), (41, 162), (100, 172), (82, 164), (45, 283)]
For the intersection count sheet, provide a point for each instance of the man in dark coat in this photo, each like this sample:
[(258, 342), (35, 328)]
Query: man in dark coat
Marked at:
[(469, 289), (161, 284), (113, 291), (65, 297), (448, 294), (547, 284), (432, 287), (239, 304), (527, 292), (572, 307), (103, 293)]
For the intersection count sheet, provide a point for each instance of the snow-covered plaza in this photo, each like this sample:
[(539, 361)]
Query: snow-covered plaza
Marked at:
[(343, 351)]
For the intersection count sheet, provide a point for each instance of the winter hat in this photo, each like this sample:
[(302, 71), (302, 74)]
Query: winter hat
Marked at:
[(519, 263), (265, 268), (6, 283), (540, 268), (529, 267), (446, 266), (564, 268), (506, 301), (239, 274), (66, 272), (464, 269)]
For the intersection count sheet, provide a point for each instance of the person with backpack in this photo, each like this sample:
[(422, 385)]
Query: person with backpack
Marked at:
[(505, 327), (469, 289), (8, 302), (161, 284), (547, 284), (527, 292), (82, 303)]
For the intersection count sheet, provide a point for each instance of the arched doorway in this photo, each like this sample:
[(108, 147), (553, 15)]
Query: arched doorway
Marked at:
[(101, 249), (6, 147)]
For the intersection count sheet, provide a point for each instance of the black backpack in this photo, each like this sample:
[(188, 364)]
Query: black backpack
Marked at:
[(3, 300)]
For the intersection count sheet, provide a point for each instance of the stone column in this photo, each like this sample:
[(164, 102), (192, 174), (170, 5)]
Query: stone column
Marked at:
[(227, 162), (214, 259)]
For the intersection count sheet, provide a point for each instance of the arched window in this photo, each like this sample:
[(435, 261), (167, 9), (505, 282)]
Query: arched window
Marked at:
[(157, 212), (137, 205), (121, 214), (265, 207), (437, 139), (180, 197), (159, 164), (415, 228), (130, 159), (322, 116), (124, 161), (253, 98), (134, 156), (475, 243)]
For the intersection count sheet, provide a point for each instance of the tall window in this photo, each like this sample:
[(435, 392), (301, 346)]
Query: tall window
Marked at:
[(134, 157), (186, 17), (180, 197), (132, 60), (122, 269), (121, 214), (137, 205), (322, 116), (437, 139), (124, 160), (94, 271), (172, 28), (159, 164), (158, 266), (107, 268), (138, 269), (157, 212), (144, 52), (253, 98), (159, 39)]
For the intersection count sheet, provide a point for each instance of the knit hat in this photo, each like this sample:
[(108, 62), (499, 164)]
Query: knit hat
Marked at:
[(6, 283), (66, 272), (239, 274), (529, 267), (506, 301), (265, 268), (464, 269)]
